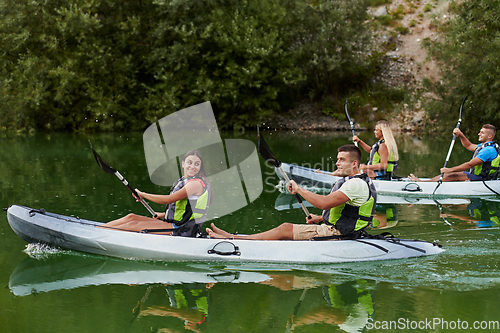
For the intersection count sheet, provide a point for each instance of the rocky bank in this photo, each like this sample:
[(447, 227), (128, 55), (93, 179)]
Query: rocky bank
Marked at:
[(405, 65)]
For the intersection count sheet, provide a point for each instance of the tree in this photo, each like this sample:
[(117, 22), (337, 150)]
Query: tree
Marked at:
[(469, 56), (71, 65), (84, 65)]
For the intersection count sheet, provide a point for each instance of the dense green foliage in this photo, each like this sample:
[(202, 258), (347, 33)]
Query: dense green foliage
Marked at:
[(469, 53), (85, 65)]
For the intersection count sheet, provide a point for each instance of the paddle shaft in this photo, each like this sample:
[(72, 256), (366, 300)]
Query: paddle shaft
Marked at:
[(441, 211), (295, 311), (350, 122), (449, 150), (112, 171), (452, 143), (440, 181), (299, 199), (137, 309), (125, 182), (268, 155)]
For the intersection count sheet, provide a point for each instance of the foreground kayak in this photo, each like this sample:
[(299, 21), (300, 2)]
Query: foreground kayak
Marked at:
[(38, 226), (322, 182)]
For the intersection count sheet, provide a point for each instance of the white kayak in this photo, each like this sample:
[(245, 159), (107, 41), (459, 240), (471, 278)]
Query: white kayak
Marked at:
[(286, 201), (313, 180), (38, 226)]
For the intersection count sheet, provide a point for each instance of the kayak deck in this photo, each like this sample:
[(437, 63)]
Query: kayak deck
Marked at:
[(83, 235)]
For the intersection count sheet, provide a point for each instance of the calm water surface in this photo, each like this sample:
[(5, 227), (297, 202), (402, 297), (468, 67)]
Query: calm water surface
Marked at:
[(52, 290)]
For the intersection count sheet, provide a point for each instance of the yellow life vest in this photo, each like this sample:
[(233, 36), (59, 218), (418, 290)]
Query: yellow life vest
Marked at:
[(347, 218), (375, 158)]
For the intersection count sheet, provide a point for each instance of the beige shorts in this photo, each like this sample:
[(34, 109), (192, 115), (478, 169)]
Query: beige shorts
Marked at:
[(308, 231)]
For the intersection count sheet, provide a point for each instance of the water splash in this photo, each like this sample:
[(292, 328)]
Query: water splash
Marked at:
[(41, 251)]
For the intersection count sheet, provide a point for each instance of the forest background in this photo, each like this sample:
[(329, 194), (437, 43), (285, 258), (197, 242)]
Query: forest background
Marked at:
[(86, 65)]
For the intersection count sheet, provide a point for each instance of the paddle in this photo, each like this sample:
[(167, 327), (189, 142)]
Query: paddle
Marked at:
[(441, 211), (350, 122), (451, 145), (295, 311), (109, 169), (137, 309), (268, 155)]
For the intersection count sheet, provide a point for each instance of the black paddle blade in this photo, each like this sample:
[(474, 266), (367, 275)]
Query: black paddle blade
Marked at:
[(347, 112), (265, 151), (461, 107), (102, 163)]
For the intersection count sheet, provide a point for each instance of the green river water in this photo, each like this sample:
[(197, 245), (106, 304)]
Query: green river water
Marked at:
[(53, 290)]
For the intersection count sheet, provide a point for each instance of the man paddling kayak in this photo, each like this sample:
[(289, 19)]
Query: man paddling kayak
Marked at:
[(347, 210), (484, 163)]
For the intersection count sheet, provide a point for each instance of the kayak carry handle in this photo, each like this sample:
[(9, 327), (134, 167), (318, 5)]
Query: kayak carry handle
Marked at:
[(223, 249)]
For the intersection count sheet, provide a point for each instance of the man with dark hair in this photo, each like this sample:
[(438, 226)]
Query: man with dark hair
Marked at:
[(484, 163), (347, 210)]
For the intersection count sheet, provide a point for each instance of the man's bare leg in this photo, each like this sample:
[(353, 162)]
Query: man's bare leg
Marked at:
[(282, 232), (448, 177), (413, 178), (220, 232), (455, 177)]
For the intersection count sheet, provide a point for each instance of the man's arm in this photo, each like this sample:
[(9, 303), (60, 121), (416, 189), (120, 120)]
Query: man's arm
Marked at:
[(464, 166), (317, 200), (463, 139)]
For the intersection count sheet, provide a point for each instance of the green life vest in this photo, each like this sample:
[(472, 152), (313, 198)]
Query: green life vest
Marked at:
[(375, 158), (187, 297), (487, 170), (185, 210), (486, 210), (200, 300), (390, 214), (347, 218), (489, 214), (351, 292)]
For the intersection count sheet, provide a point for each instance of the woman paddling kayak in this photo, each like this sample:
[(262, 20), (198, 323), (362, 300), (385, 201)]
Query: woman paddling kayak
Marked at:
[(186, 205), (383, 154)]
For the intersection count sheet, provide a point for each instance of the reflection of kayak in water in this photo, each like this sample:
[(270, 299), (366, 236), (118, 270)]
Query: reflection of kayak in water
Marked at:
[(70, 272), (286, 201), (37, 226), (482, 212), (404, 187)]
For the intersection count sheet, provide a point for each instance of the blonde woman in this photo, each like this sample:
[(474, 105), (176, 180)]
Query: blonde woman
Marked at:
[(383, 154)]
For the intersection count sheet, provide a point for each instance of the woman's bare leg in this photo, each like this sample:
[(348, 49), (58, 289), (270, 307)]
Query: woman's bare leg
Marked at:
[(133, 222), (371, 174)]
